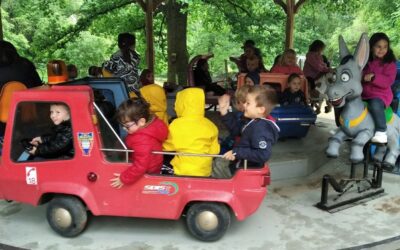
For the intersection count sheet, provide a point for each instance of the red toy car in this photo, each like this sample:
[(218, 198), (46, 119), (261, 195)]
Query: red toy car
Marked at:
[(75, 185)]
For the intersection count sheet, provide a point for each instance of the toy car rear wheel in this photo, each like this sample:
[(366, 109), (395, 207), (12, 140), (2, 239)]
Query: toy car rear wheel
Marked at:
[(67, 216), (208, 221)]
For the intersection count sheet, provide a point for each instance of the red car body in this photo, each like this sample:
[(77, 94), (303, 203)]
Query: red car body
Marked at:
[(87, 175)]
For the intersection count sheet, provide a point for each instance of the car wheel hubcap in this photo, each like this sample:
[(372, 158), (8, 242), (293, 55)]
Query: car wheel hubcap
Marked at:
[(62, 218), (207, 220)]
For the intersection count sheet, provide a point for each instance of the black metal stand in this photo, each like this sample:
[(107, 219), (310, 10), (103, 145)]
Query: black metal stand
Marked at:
[(352, 191)]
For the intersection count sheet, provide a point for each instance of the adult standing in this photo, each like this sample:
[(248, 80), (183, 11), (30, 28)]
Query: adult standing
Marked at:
[(125, 62), (250, 53), (13, 67)]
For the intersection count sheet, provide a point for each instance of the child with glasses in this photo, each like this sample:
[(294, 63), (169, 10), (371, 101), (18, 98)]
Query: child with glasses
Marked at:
[(146, 133)]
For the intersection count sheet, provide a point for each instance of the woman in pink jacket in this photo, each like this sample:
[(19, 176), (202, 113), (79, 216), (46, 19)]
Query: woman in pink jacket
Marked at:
[(314, 65), (378, 76)]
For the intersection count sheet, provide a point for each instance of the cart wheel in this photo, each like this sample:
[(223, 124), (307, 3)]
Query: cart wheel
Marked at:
[(67, 216), (208, 221)]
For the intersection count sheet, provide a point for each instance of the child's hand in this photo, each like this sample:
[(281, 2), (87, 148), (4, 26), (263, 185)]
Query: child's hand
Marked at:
[(36, 141), (33, 150), (116, 182), (224, 103), (368, 77), (229, 155)]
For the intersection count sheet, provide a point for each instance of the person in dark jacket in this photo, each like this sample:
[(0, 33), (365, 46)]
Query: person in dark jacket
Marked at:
[(259, 134), (58, 144), (202, 78), (13, 67)]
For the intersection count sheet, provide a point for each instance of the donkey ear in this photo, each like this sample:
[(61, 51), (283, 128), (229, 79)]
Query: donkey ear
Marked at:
[(361, 54), (343, 50)]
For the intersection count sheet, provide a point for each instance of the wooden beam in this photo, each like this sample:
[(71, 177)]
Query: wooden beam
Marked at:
[(142, 4), (290, 4), (282, 4), (298, 5), (150, 35)]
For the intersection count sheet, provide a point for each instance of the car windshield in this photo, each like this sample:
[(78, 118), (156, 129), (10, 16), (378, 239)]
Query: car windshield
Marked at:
[(113, 146)]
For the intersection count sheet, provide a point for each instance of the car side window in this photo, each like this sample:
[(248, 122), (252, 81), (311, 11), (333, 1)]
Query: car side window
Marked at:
[(113, 147), (42, 131)]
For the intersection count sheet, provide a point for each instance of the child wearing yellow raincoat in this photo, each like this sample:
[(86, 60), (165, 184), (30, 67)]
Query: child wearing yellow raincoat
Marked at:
[(191, 132), (155, 95)]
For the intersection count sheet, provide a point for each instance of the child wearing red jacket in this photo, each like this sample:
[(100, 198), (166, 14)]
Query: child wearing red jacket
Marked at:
[(146, 133)]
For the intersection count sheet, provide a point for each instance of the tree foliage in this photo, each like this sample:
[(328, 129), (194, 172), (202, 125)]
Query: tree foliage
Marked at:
[(84, 32)]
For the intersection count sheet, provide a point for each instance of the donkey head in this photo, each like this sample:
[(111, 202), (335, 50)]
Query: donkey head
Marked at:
[(347, 85)]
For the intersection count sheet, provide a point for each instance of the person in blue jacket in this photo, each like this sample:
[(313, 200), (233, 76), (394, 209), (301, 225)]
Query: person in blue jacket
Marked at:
[(259, 134)]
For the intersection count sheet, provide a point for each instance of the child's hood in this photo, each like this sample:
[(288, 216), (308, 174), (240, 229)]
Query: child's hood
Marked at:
[(274, 130), (190, 102), (156, 129), (154, 95)]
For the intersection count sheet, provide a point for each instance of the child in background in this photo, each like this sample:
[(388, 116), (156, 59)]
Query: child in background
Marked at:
[(72, 72), (287, 64), (314, 65), (95, 71), (155, 96), (146, 133), (146, 77), (234, 121), (378, 76), (252, 78), (259, 134), (191, 132), (60, 142), (293, 93)]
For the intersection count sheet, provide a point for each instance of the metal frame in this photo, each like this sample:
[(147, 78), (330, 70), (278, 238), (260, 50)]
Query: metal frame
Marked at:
[(352, 191)]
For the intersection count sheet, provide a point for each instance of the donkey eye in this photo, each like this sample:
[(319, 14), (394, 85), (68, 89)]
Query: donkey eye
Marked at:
[(345, 77)]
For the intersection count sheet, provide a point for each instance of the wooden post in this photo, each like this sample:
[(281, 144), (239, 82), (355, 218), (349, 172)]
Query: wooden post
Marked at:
[(149, 36), (289, 24), (149, 6), (290, 8)]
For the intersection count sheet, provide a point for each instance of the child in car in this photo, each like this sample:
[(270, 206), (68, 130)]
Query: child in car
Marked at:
[(287, 64), (59, 143), (293, 95), (252, 78), (259, 134), (155, 96), (191, 132), (146, 133)]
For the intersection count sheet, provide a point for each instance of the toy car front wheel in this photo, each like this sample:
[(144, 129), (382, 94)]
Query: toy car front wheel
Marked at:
[(208, 221), (67, 216)]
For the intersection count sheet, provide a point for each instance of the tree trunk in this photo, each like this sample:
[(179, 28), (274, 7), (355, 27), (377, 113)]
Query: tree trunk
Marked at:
[(1, 25), (178, 56)]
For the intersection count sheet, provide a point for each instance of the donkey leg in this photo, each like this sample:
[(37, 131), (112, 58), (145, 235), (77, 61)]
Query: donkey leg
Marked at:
[(379, 153), (357, 145), (334, 144), (393, 152)]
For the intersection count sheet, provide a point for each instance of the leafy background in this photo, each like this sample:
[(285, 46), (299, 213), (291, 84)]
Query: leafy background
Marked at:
[(83, 32)]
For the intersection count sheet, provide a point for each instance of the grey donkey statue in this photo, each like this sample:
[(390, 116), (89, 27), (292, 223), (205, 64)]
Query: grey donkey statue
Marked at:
[(355, 121)]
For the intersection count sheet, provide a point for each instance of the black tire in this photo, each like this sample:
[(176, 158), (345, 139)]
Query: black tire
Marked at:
[(208, 221), (67, 216)]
